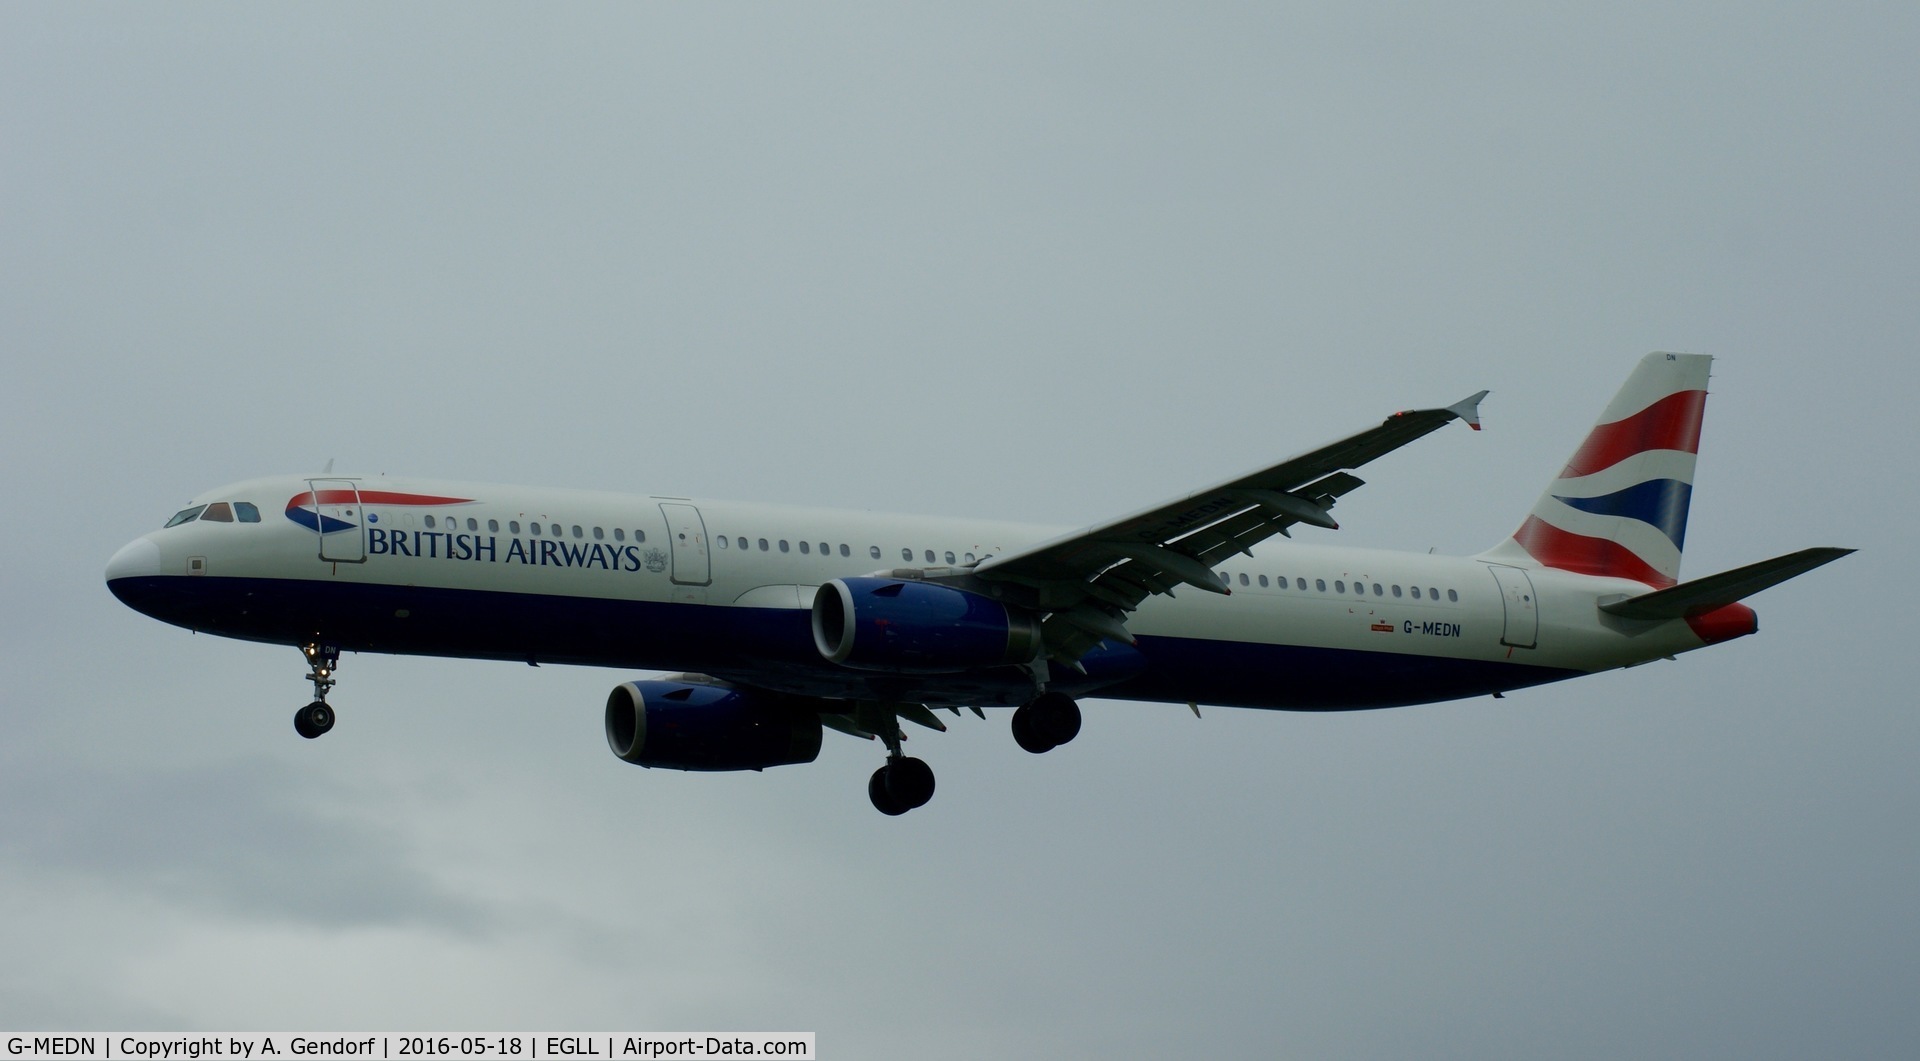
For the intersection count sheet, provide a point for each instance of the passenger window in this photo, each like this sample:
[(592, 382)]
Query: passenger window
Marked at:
[(873, 551), (1339, 586), (723, 541), (1245, 581), (1225, 579), (639, 536), (805, 548), (763, 545), (1376, 589), (1300, 582), (246, 511), (968, 558), (513, 526), (428, 521), (1359, 589), (783, 545), (929, 556), (844, 551), (1263, 582), (218, 512), (825, 549), (576, 531), (742, 543), (1320, 584), (1416, 592), (555, 528), (950, 558), (1396, 590), (493, 526), (534, 528), (1432, 594), (1452, 596), (619, 534), (599, 535)]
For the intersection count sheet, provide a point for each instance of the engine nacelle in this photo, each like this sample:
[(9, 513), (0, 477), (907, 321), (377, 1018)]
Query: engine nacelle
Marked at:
[(688, 726), (907, 627)]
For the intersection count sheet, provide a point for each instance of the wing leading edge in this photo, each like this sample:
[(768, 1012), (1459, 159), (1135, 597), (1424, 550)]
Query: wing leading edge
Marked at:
[(1088, 580)]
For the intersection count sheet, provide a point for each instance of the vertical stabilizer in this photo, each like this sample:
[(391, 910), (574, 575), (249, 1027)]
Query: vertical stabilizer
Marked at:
[(1619, 507)]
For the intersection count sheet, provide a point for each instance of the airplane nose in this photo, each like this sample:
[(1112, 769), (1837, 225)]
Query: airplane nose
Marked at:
[(135, 559)]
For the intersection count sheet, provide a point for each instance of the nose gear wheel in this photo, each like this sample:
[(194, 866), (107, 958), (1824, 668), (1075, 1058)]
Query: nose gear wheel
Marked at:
[(317, 717)]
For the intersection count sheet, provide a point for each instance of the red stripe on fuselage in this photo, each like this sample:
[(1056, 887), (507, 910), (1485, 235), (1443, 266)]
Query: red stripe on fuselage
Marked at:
[(1673, 422), (372, 497), (1568, 551)]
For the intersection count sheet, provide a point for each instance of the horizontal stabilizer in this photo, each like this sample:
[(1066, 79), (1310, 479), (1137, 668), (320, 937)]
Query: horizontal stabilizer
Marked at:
[(1703, 595)]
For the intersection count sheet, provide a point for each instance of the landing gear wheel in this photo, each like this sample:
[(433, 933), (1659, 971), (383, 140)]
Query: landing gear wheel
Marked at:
[(316, 718), (1026, 736), (1056, 716), (1046, 722), (883, 800), (910, 781), (313, 720), (900, 786)]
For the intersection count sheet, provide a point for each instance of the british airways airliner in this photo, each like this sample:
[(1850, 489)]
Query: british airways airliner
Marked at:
[(787, 621)]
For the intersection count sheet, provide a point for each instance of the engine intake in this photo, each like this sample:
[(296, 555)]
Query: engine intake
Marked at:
[(908, 627), (689, 726)]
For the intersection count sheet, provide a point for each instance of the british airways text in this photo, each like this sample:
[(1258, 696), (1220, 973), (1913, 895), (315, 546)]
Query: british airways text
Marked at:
[(486, 548)]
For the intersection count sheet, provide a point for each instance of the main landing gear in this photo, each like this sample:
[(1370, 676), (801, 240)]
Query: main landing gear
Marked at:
[(1039, 725), (905, 782), (1046, 722), (901, 785), (317, 718)]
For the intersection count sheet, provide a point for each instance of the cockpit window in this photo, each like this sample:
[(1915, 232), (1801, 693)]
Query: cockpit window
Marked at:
[(186, 515), (218, 512), (246, 511)]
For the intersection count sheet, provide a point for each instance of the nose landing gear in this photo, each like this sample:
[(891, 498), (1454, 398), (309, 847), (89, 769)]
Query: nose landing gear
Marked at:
[(317, 717)]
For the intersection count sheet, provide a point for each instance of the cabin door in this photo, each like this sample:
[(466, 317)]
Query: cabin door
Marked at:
[(688, 534), (1522, 628), (338, 519)]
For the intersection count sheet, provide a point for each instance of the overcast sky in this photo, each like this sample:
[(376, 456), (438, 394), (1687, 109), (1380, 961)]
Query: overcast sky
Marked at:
[(1039, 262)]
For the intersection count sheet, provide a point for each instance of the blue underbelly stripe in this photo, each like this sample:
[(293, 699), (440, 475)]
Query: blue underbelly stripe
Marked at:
[(774, 648)]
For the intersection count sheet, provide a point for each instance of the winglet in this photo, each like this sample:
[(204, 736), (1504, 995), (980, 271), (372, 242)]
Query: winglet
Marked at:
[(1468, 409)]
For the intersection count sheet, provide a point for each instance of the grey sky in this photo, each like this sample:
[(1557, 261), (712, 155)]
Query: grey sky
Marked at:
[(1043, 263)]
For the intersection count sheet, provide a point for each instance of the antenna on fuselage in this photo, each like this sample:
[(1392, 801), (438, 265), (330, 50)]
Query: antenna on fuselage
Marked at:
[(328, 470)]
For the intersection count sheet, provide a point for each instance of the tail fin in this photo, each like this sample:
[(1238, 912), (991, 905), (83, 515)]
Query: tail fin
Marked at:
[(1619, 508)]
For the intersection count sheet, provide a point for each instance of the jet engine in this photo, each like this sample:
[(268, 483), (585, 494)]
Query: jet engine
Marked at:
[(906, 627), (714, 726)]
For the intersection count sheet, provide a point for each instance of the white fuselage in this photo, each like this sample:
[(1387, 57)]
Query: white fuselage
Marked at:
[(725, 588)]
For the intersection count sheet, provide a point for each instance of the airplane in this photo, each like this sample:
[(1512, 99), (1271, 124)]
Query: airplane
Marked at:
[(785, 621)]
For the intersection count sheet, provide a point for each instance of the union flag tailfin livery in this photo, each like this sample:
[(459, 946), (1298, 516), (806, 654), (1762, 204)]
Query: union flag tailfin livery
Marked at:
[(1620, 507), (787, 621)]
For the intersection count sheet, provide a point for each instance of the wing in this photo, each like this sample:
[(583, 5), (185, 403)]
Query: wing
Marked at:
[(1090, 579)]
